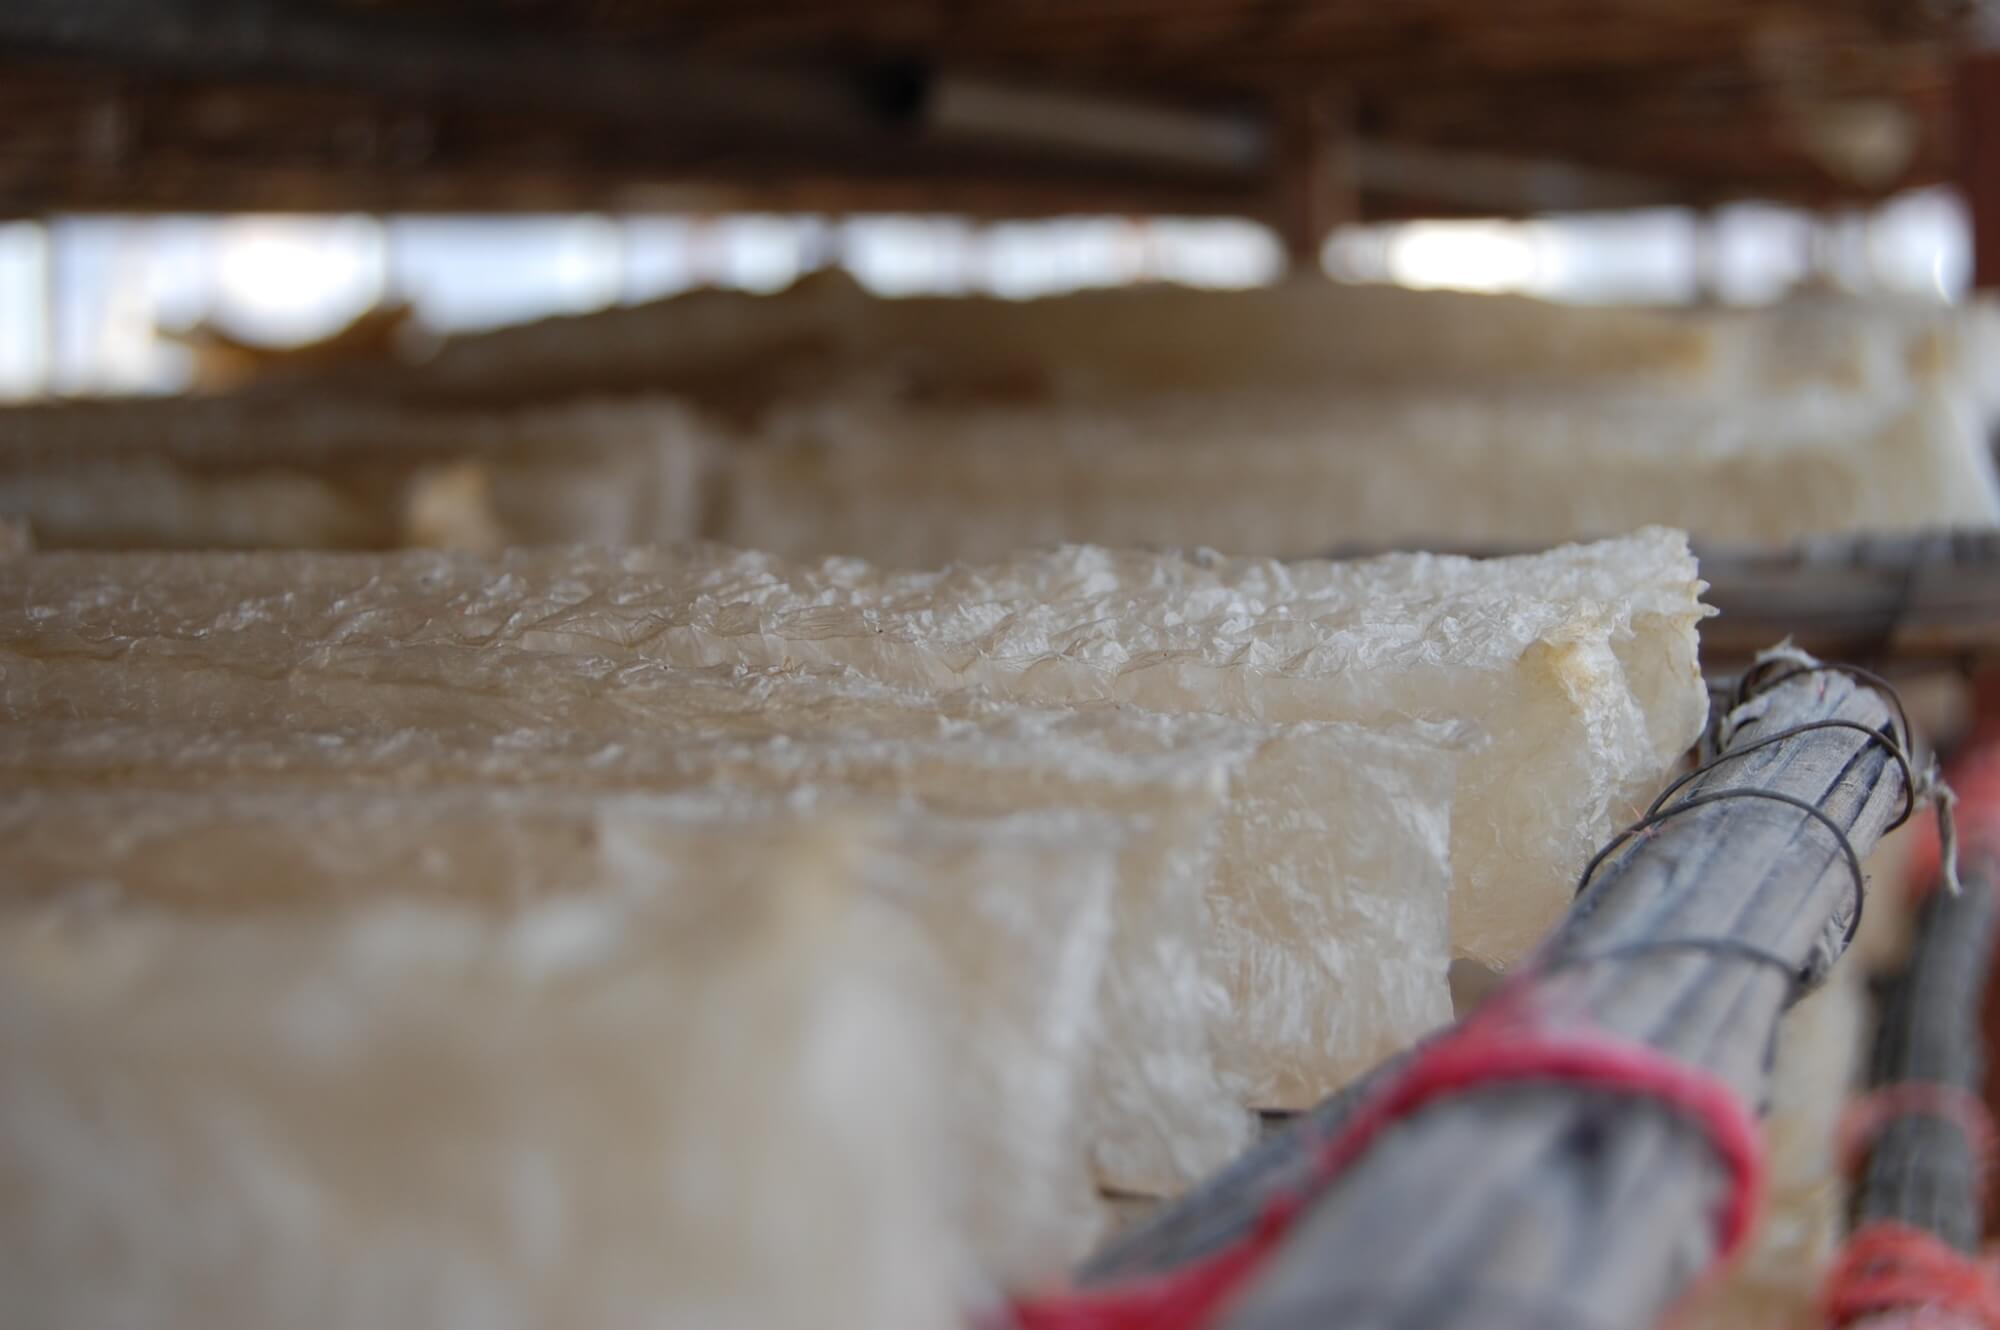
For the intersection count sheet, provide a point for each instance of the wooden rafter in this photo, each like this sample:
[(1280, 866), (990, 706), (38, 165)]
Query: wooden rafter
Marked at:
[(1090, 105)]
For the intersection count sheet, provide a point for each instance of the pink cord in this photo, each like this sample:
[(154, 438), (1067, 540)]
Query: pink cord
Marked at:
[(1893, 1275), (1500, 1046)]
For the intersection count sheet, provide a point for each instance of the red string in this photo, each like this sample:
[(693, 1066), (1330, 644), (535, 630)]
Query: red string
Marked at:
[(1502, 1045), (1904, 1276), (1182, 1299), (1910, 1277)]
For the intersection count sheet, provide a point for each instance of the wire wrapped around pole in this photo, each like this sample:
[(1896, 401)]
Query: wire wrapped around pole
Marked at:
[(1580, 1169)]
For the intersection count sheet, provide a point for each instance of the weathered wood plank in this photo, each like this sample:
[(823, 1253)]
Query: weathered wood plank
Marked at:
[(1931, 596)]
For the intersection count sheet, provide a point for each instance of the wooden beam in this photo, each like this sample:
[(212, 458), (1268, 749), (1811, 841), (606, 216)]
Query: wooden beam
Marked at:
[(964, 109), (1496, 183), (1665, 104), (1978, 150), (795, 113), (1926, 597), (1251, 44), (1315, 185), (99, 140), (392, 53)]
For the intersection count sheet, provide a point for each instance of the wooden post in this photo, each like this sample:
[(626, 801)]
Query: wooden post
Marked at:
[(1978, 81), (1705, 257), (1315, 172)]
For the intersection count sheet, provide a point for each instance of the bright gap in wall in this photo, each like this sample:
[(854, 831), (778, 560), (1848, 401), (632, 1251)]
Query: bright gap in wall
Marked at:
[(91, 304)]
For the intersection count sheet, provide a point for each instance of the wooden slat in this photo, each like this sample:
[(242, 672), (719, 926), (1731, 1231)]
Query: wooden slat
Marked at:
[(1929, 597), (1926, 597)]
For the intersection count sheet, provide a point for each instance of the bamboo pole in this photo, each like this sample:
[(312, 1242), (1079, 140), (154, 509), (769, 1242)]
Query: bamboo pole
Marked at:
[(1226, 1206), (1545, 1205), (1922, 1170)]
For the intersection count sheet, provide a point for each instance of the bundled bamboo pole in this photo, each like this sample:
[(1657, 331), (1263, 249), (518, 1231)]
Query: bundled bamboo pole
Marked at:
[(1228, 1204), (1923, 1167), (1549, 1200), (1919, 1202), (1542, 1205)]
